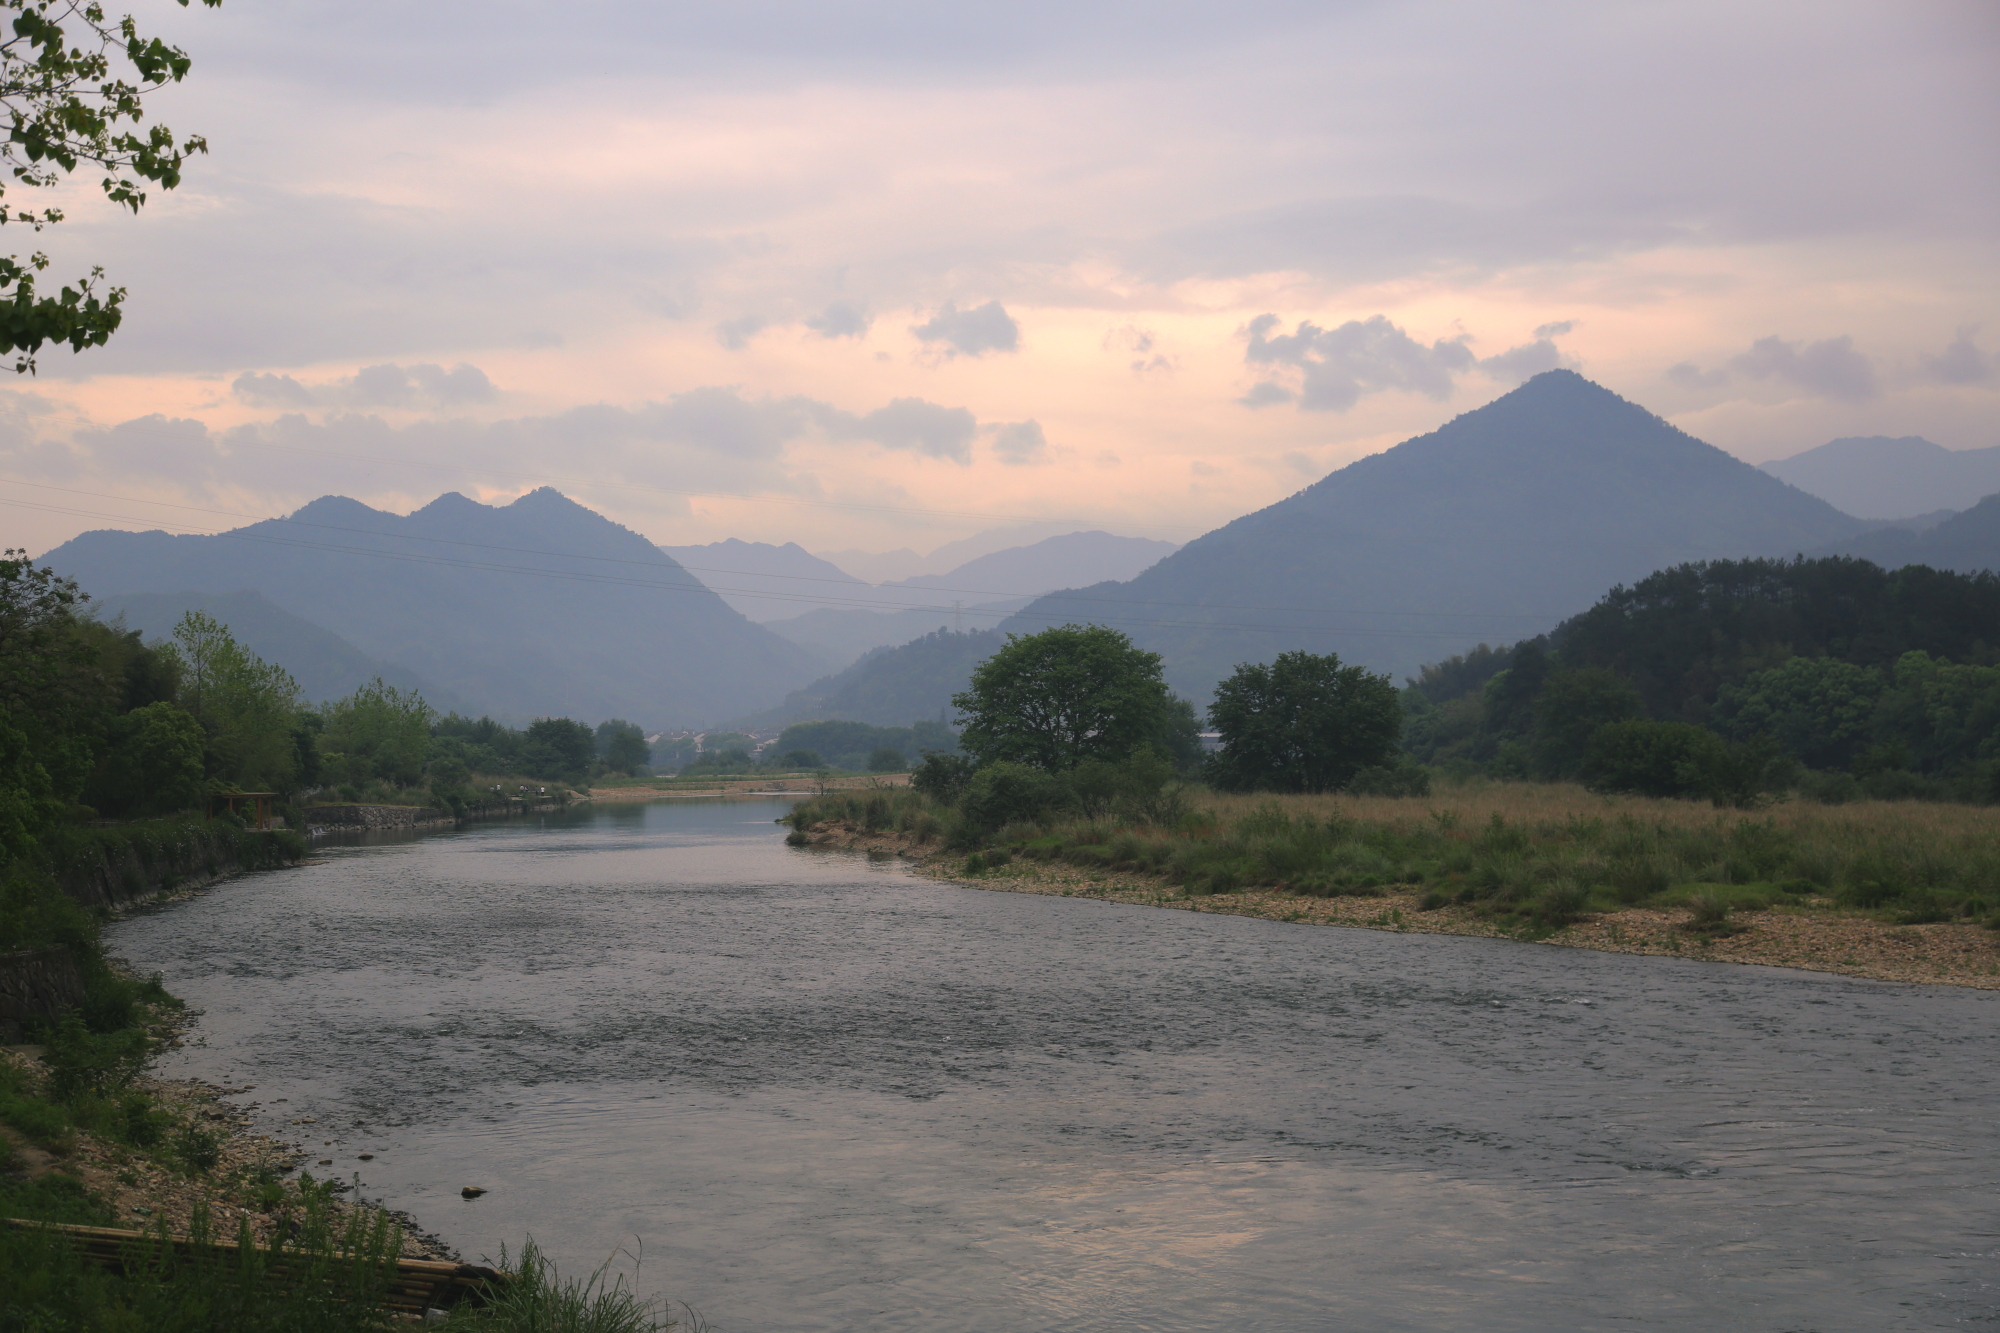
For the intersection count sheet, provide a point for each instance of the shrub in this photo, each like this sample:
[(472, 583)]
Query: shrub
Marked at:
[(1007, 793), (1404, 779), (942, 777)]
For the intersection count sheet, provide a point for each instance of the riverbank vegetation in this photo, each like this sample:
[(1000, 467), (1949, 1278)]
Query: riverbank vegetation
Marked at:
[(1528, 854), (1737, 681), (1063, 763)]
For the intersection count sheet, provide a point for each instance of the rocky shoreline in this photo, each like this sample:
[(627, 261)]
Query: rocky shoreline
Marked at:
[(1816, 936), (145, 1190)]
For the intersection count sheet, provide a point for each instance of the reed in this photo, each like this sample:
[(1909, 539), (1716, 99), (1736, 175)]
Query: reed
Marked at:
[(1542, 852)]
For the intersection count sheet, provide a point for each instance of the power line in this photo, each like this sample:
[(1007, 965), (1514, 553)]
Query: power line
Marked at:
[(763, 594), (543, 478), (578, 576)]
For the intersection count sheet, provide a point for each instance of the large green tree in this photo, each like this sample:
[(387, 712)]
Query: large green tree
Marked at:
[(378, 731), (73, 84), (1304, 723), (247, 707), (1057, 698)]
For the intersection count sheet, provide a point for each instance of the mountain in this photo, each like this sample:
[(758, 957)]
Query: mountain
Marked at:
[(1073, 560), (1967, 542), (1491, 528), (892, 687), (840, 635), (325, 665), (878, 566), (763, 581), (1878, 477), (976, 595), (529, 609)]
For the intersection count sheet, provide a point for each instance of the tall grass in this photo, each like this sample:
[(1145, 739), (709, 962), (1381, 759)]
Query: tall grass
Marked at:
[(541, 1300), (1542, 852)]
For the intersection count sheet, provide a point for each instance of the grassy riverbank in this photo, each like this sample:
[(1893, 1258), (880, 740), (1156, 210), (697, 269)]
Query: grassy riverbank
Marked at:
[(1895, 890)]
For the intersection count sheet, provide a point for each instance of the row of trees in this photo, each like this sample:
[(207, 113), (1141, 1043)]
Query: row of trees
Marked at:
[(1723, 679), (1078, 716), (95, 721)]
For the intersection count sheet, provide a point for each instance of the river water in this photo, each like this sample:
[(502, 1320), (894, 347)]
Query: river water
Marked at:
[(813, 1091)]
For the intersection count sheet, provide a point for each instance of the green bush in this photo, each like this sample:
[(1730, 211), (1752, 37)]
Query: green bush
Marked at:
[(1003, 793)]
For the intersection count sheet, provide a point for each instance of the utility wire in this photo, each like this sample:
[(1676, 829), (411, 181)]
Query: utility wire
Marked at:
[(579, 576), (764, 594)]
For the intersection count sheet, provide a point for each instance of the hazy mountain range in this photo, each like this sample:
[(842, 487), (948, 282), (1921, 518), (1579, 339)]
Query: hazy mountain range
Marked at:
[(1495, 526), (535, 608), (325, 665), (1966, 542), (789, 589), (1878, 477)]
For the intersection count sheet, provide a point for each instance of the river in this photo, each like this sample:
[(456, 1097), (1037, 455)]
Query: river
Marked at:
[(812, 1091)]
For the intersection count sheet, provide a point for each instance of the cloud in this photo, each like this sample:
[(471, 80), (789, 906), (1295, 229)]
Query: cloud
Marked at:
[(1961, 363), (912, 424), (386, 385), (1830, 368), (842, 319), (1360, 357), (1144, 348), (975, 332), (416, 386), (1555, 330), (1519, 364), (1690, 376), (1020, 443), (735, 334), (271, 390), (1265, 393)]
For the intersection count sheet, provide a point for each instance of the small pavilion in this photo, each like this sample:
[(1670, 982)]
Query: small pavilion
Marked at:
[(253, 807)]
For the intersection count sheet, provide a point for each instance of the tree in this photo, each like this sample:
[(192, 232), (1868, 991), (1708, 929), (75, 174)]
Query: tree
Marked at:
[(248, 707), (1303, 723), (74, 85), (1820, 708), (378, 731), (1573, 703), (1057, 698), (556, 747), (622, 746)]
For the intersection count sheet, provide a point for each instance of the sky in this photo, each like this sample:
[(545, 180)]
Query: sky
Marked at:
[(887, 274)]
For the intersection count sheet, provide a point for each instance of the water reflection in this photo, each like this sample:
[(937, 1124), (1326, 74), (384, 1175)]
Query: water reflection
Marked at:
[(829, 1094)]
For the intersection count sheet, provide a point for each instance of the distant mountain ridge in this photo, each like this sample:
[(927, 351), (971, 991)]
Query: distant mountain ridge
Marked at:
[(891, 687), (1494, 527), (1072, 560), (1875, 476), (325, 665), (976, 595), (535, 608), (1967, 543), (764, 581)]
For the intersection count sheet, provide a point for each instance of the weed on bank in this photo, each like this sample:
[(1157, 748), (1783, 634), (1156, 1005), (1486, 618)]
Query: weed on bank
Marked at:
[(1533, 856)]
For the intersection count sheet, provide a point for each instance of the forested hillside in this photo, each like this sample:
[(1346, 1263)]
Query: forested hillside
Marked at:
[(1860, 678), (1496, 526), (892, 686), (535, 607)]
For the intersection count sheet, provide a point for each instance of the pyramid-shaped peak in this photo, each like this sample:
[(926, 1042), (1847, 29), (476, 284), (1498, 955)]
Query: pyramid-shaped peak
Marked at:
[(451, 502), (336, 509), (547, 499)]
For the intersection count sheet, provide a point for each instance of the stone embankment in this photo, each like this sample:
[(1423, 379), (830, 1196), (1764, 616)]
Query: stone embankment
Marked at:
[(122, 867), (372, 818), (36, 985)]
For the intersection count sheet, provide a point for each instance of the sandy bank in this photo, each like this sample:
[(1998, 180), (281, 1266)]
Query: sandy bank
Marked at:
[(1817, 936)]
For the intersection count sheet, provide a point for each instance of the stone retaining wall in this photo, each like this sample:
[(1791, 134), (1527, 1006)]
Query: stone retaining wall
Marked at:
[(350, 818), (36, 984)]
